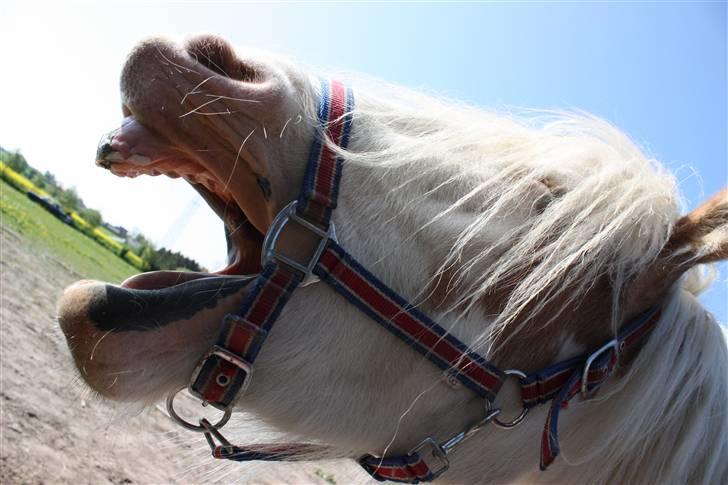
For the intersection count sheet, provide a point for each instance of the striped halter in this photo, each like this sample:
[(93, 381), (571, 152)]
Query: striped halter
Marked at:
[(225, 370)]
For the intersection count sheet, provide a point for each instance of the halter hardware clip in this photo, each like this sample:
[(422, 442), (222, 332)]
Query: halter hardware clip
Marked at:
[(429, 448)]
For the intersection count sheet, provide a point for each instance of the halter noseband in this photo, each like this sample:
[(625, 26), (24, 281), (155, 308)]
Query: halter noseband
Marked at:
[(225, 370)]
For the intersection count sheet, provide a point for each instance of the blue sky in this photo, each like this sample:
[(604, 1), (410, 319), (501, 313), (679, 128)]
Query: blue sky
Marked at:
[(656, 70)]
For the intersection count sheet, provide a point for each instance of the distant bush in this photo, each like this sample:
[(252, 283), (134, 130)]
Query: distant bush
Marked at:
[(18, 181), (91, 216), (161, 258), (166, 259)]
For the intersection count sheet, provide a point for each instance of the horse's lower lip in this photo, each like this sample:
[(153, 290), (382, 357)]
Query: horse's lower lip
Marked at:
[(120, 338), (121, 309)]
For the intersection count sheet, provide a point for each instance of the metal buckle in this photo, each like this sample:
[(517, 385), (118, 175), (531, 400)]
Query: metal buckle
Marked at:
[(437, 452), (269, 251), (524, 411), (227, 356), (585, 392), (205, 427)]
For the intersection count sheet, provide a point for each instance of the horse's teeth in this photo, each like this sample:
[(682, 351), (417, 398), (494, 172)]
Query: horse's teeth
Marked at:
[(139, 159), (113, 157)]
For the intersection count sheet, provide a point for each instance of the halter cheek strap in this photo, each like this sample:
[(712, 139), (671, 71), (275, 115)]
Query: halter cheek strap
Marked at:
[(227, 368), (225, 371)]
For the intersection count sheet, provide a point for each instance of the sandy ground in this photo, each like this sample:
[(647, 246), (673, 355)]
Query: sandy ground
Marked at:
[(54, 431)]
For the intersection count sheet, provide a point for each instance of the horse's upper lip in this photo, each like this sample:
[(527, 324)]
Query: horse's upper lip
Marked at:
[(173, 96)]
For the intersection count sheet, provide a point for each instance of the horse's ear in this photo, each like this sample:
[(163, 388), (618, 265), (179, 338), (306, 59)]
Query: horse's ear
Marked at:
[(697, 238), (704, 232)]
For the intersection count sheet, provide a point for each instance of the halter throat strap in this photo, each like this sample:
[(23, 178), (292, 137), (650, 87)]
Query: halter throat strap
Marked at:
[(225, 371)]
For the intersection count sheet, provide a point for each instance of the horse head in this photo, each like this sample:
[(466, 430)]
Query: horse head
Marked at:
[(530, 242)]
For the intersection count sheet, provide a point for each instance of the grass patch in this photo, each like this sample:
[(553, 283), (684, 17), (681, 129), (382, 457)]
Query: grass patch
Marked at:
[(81, 253)]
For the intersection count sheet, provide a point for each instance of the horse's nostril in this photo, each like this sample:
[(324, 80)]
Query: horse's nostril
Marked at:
[(216, 54)]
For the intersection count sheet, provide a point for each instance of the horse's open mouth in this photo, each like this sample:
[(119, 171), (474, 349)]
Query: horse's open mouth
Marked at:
[(134, 150), (197, 111), (139, 340)]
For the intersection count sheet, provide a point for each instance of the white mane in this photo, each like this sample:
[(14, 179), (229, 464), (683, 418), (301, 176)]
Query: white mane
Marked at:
[(613, 214)]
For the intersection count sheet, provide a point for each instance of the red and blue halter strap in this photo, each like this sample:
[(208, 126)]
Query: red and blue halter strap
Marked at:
[(320, 191), (223, 372), (384, 306)]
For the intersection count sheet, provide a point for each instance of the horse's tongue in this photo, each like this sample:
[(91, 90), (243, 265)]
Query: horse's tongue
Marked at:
[(155, 280), (132, 142)]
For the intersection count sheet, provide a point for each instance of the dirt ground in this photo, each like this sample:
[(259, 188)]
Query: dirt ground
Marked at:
[(54, 431)]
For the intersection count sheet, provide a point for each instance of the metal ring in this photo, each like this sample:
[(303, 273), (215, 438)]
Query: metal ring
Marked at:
[(186, 424), (518, 419)]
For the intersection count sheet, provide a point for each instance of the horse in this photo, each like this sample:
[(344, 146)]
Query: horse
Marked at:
[(522, 241)]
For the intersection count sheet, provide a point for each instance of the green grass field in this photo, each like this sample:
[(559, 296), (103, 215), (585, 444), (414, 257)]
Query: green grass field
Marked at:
[(81, 253)]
